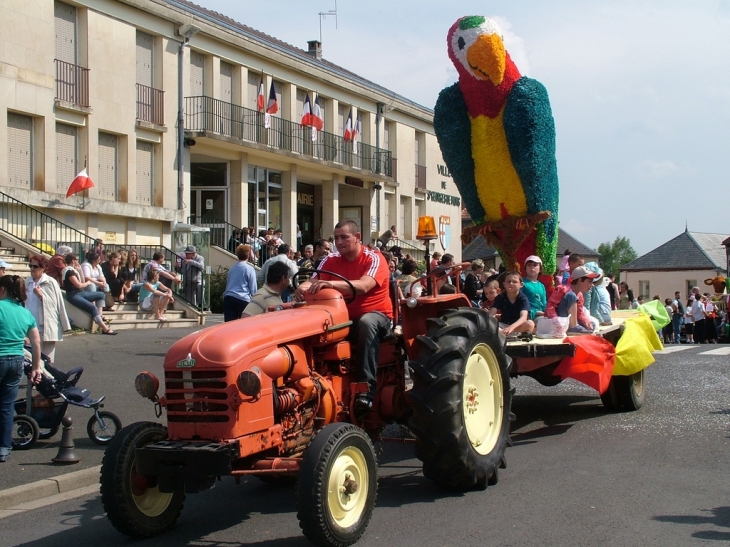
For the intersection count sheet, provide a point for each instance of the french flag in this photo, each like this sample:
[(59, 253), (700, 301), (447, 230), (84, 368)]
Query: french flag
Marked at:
[(357, 130), (80, 183), (317, 121), (260, 98), (273, 106), (349, 131), (307, 113)]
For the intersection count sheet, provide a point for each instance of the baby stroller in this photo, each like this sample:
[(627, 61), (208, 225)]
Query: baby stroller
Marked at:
[(39, 416)]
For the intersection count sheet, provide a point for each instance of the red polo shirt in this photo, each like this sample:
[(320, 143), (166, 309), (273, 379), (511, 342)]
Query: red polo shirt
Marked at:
[(370, 263)]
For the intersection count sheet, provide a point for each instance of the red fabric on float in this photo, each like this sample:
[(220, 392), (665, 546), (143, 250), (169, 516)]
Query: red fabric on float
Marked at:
[(592, 363)]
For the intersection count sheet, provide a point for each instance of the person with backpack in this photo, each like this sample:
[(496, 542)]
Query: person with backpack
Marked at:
[(677, 315)]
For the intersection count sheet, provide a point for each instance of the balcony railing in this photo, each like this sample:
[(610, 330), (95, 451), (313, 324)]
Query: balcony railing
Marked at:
[(72, 83), (230, 120), (420, 177), (150, 105)]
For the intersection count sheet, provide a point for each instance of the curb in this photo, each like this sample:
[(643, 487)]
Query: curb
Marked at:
[(49, 487)]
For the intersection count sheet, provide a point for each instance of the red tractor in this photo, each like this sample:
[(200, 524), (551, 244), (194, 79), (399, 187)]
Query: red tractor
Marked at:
[(272, 396)]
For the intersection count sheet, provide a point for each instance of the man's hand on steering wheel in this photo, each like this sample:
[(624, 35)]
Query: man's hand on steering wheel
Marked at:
[(315, 285)]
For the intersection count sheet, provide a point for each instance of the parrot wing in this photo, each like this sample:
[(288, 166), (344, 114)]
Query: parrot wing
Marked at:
[(452, 126), (530, 131)]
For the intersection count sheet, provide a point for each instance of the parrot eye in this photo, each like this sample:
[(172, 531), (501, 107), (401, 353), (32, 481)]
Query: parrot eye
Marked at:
[(461, 43)]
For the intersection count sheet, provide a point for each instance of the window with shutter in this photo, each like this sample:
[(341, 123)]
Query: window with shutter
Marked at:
[(20, 150), (254, 78), (301, 95), (144, 59), (65, 28), (386, 135), (197, 72), (66, 157), (341, 119), (226, 82), (145, 178), (107, 166)]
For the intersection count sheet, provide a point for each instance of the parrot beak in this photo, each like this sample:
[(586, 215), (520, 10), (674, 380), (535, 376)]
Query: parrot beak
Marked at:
[(487, 58)]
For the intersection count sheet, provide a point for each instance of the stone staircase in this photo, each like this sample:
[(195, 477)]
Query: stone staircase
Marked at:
[(123, 317)]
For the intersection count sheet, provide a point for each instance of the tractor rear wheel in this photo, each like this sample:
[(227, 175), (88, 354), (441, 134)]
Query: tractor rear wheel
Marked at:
[(337, 486), (133, 502), (461, 400)]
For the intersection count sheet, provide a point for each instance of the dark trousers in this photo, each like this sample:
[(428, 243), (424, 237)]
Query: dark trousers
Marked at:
[(700, 331), (233, 308), (366, 333)]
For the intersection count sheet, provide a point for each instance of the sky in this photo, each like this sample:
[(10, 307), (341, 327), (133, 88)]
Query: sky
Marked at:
[(640, 93)]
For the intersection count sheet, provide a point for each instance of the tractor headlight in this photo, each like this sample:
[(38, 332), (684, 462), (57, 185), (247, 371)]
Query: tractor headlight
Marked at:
[(412, 302), (249, 382), (147, 385)]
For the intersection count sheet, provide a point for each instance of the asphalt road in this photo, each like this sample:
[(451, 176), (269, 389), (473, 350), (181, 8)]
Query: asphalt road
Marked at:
[(576, 475)]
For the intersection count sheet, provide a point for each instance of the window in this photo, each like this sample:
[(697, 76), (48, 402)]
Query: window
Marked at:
[(107, 166), (254, 79), (690, 283), (65, 28), (66, 156), (144, 59), (145, 172), (644, 290), (420, 148), (197, 74), (386, 135), (20, 150)]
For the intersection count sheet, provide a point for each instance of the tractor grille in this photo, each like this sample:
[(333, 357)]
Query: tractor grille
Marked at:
[(197, 396)]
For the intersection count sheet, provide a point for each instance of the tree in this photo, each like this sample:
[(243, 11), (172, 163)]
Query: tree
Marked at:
[(616, 254)]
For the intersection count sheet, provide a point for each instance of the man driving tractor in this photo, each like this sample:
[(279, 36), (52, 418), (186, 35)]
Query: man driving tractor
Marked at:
[(371, 310)]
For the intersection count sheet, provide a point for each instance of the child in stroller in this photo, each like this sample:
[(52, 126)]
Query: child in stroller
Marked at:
[(40, 416)]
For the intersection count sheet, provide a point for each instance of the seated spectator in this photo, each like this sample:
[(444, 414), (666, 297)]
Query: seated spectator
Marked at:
[(92, 272), (447, 289), (435, 260), (513, 306), (596, 300), (567, 301), (473, 286), (167, 277), (114, 274), (154, 296), (89, 302), (277, 281), (533, 289), (407, 277), (131, 272), (56, 263), (491, 290)]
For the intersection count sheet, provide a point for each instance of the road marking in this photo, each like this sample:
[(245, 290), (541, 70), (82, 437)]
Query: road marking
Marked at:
[(671, 349), (718, 351), (50, 500)]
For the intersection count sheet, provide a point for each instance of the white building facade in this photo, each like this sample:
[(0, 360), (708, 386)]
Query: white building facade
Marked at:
[(97, 83)]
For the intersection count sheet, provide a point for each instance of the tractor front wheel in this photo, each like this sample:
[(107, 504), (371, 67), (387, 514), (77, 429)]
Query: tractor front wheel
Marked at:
[(133, 502), (337, 486), (461, 400)]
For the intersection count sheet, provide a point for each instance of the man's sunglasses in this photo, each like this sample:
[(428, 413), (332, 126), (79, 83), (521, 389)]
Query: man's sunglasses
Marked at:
[(34, 266)]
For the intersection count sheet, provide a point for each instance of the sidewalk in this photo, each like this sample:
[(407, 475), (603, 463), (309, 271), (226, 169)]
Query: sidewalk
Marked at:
[(110, 365)]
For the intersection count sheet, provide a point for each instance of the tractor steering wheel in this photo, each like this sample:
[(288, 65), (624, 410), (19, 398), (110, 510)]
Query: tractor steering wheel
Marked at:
[(348, 300)]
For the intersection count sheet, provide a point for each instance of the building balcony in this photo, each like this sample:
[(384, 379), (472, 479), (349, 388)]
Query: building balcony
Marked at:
[(205, 116), (420, 177), (150, 105), (72, 84)]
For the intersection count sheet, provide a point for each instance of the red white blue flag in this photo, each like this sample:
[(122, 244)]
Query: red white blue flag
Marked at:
[(349, 131), (357, 130), (260, 98), (273, 106), (307, 113), (317, 121)]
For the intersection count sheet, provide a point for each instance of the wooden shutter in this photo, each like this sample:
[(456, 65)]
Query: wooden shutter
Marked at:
[(66, 157), (145, 177), (65, 28), (252, 89), (144, 59), (226, 81), (20, 150), (197, 72), (107, 166), (386, 135), (341, 119)]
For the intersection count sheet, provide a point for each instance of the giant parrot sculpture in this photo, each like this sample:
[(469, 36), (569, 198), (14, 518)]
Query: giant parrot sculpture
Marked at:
[(497, 137)]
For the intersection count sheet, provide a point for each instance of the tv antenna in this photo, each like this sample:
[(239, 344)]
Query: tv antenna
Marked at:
[(324, 14)]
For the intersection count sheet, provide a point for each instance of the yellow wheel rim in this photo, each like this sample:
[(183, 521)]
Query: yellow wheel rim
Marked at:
[(152, 502), (347, 487), (483, 405), (638, 380)]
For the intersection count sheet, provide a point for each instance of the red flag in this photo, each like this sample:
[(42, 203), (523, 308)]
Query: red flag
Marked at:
[(349, 135), (80, 183), (317, 121), (592, 363), (307, 112), (260, 98), (273, 106)]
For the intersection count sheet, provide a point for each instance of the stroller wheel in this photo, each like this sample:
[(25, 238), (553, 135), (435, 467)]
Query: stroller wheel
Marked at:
[(25, 432), (102, 426)]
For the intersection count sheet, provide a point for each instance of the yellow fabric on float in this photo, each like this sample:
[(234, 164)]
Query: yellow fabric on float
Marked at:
[(635, 347)]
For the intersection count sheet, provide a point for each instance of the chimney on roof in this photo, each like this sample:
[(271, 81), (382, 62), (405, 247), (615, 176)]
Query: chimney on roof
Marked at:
[(315, 49)]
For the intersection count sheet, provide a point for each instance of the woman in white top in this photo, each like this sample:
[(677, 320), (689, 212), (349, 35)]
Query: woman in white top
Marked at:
[(45, 303), (92, 272), (689, 323)]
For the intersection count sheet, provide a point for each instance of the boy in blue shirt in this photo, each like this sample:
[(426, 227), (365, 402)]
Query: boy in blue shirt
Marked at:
[(533, 289)]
